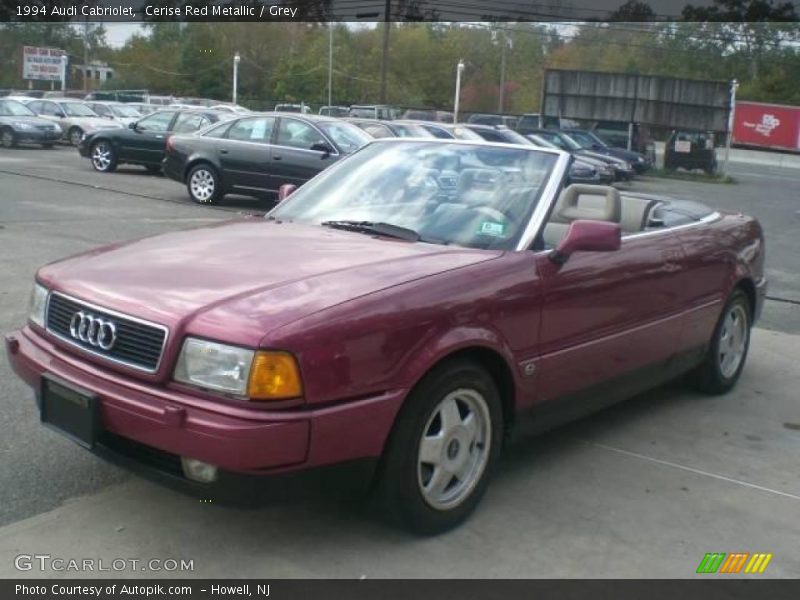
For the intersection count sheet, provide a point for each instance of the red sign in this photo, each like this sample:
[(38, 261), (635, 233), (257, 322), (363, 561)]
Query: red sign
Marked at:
[(767, 125)]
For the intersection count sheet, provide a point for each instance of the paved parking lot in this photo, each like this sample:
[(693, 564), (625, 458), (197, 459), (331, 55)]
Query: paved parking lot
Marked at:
[(642, 490)]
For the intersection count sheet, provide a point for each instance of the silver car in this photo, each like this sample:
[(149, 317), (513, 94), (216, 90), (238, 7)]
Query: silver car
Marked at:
[(73, 116)]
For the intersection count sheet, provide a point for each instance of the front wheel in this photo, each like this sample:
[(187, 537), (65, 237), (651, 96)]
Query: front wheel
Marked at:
[(203, 184), (104, 159), (75, 135), (727, 352), (7, 138), (442, 449)]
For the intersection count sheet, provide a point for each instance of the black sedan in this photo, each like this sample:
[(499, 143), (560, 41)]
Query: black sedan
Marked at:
[(590, 141), (257, 154), (19, 124), (623, 171), (143, 142)]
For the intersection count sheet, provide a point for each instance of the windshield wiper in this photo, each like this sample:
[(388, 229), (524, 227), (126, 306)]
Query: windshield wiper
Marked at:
[(378, 228)]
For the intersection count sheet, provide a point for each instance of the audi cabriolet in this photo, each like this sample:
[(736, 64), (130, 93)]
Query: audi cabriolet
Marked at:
[(412, 306)]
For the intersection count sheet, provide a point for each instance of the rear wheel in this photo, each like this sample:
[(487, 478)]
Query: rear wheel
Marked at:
[(75, 135), (203, 184), (442, 449), (104, 159), (7, 138), (727, 352)]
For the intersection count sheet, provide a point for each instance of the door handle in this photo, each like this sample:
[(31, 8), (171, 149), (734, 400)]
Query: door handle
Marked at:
[(223, 151), (160, 137), (277, 157)]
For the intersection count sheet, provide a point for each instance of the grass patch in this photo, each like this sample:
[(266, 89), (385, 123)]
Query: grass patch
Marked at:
[(699, 176)]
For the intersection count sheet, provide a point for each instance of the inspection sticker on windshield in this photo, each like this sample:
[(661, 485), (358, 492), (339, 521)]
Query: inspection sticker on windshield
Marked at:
[(492, 228)]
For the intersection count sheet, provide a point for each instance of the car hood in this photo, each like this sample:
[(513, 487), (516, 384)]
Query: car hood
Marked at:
[(628, 155), (238, 280)]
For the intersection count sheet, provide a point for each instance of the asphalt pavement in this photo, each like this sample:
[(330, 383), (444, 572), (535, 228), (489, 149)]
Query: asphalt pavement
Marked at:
[(641, 490)]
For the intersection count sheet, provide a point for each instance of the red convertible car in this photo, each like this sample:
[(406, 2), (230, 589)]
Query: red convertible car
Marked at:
[(412, 306)]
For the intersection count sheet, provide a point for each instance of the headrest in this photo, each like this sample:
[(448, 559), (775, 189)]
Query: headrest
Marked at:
[(608, 208)]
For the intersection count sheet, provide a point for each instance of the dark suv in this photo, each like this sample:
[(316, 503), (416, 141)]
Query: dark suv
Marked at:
[(691, 150)]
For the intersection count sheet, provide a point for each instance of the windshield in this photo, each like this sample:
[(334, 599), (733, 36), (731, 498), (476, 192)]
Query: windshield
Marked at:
[(410, 130), (73, 109), (540, 141), (12, 108), (569, 142), (585, 140), (471, 195), (348, 138), (512, 137), (125, 111), (462, 133)]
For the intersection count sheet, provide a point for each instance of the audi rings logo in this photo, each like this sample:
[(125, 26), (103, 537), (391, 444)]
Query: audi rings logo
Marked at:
[(93, 330)]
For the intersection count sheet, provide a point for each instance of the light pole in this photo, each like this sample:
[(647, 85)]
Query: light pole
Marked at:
[(330, 62), (459, 69), (731, 113), (506, 45), (236, 59), (64, 60)]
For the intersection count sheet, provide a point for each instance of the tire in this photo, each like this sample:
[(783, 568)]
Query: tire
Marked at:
[(425, 496), (153, 169), (203, 184), (727, 351), (103, 157), (8, 139), (74, 135)]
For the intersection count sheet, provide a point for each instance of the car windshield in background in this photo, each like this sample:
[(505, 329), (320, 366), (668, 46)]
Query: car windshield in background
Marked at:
[(585, 140), (125, 111), (512, 137), (73, 109), (12, 108), (471, 195), (570, 143), (410, 130), (347, 137)]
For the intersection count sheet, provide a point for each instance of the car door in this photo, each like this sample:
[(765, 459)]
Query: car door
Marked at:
[(609, 317), (293, 160), (145, 143), (245, 154)]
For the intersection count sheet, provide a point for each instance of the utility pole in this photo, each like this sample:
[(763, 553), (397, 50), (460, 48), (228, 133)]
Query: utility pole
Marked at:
[(731, 113), (64, 72), (385, 55), (330, 62), (86, 55), (506, 43), (457, 99), (236, 59)]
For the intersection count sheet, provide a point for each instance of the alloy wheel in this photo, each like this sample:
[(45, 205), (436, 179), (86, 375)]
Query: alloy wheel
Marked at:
[(454, 449), (733, 340), (202, 185), (101, 156)]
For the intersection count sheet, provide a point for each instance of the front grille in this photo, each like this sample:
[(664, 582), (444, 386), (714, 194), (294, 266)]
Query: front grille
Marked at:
[(138, 344)]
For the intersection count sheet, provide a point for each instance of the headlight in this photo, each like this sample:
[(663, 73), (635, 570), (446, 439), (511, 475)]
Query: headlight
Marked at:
[(640, 159), (262, 375), (38, 304), (22, 125)]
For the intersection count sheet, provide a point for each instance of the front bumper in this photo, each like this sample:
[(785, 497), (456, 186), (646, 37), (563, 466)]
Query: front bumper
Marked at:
[(83, 146), (144, 421), (761, 286)]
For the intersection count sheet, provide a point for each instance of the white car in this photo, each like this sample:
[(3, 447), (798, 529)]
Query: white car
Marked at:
[(73, 116), (115, 111)]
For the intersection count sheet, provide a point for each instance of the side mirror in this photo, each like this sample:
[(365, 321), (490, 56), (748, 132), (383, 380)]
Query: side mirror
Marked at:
[(285, 191), (61, 115), (587, 236), (132, 125), (323, 147)]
